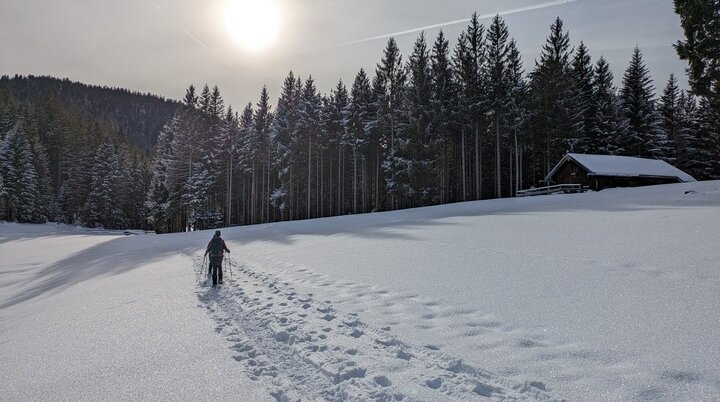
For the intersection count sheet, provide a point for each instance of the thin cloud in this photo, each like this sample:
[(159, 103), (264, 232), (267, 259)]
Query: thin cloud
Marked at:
[(198, 41), (456, 22)]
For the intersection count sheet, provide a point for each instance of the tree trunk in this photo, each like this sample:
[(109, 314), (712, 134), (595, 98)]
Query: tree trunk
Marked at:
[(464, 180), (355, 180), (478, 168), (309, 176), (253, 195), (498, 162), (339, 181)]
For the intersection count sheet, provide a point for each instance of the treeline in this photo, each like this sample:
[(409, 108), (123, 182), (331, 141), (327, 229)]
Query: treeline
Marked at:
[(139, 117), (57, 164), (445, 125)]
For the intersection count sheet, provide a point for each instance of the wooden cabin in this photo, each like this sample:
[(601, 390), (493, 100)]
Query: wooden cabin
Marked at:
[(597, 172)]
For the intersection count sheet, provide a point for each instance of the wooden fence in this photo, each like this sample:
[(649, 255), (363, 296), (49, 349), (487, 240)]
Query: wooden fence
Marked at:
[(558, 188)]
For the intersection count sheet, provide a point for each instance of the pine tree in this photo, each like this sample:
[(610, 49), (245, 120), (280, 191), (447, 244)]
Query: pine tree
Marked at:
[(20, 178), (191, 99), (388, 88), (443, 101), (284, 139), (244, 163), (203, 103), (46, 206), (416, 167), (669, 116), (701, 23), (3, 196), (75, 189), (516, 112), (102, 208), (498, 90), (7, 118), (469, 59), (606, 125), (638, 108), (358, 114), (707, 142), (307, 146), (134, 184), (583, 112), (551, 102), (159, 194), (340, 138), (261, 154)]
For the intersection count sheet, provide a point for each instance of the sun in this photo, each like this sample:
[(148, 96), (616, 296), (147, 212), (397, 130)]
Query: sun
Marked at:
[(253, 24)]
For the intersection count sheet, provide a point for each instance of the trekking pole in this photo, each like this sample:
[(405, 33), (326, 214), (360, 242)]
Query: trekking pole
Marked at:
[(230, 267), (202, 268)]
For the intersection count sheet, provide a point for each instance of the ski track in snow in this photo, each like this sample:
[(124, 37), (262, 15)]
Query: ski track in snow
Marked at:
[(303, 349)]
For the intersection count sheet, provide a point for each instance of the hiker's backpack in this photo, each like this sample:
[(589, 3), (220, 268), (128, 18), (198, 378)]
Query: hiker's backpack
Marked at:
[(216, 247)]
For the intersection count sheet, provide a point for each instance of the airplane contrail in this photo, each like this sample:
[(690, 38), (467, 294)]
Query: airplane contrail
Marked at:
[(456, 22), (198, 41)]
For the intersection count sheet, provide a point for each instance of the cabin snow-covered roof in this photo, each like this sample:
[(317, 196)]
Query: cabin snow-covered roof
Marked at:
[(623, 166)]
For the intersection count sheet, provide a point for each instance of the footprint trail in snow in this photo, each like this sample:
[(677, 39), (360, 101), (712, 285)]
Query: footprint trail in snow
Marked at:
[(303, 349)]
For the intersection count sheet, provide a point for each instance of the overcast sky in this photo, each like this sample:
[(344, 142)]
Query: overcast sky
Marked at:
[(162, 46)]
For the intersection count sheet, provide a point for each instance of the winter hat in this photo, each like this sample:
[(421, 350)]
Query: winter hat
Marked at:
[(217, 233)]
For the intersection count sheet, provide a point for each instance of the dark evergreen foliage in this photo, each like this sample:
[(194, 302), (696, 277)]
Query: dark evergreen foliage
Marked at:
[(637, 97), (437, 128), (700, 20), (139, 117)]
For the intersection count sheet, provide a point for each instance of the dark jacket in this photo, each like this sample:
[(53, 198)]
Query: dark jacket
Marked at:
[(223, 247)]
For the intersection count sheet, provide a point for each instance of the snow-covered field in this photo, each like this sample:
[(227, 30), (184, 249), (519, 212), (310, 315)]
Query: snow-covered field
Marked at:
[(592, 297)]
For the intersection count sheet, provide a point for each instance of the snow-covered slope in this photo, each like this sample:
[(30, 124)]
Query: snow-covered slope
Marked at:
[(597, 296)]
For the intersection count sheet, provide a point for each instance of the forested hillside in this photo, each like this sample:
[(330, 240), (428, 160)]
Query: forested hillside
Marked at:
[(139, 117), (58, 164)]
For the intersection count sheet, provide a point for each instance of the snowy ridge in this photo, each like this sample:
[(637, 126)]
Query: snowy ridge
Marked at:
[(304, 349)]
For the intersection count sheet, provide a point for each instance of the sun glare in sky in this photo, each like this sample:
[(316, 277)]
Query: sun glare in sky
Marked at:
[(253, 24)]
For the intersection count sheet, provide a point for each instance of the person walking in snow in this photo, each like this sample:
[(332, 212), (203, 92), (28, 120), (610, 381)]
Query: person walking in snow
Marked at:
[(216, 248)]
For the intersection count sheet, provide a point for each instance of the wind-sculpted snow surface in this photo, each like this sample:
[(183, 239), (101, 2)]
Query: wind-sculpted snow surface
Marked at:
[(304, 349)]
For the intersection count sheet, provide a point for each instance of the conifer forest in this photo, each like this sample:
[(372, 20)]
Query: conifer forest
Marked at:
[(449, 122)]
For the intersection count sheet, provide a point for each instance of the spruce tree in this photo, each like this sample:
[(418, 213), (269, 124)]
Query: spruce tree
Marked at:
[(20, 178), (669, 115), (416, 168), (606, 124), (443, 101), (707, 142), (3, 196), (583, 113), (700, 20), (498, 90), (284, 139), (244, 163), (261, 154), (307, 147), (472, 108), (158, 194), (358, 114), (638, 109), (46, 199), (7, 118), (204, 101), (389, 88), (102, 208), (340, 136), (516, 112), (551, 102)]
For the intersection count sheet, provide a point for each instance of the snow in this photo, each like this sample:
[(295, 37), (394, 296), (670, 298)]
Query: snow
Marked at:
[(612, 165), (596, 296)]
